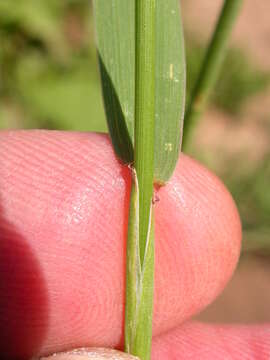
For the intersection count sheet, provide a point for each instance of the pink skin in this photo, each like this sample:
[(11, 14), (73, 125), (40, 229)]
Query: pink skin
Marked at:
[(63, 220)]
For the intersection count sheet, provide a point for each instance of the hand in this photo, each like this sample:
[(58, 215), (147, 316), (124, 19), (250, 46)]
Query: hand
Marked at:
[(63, 219)]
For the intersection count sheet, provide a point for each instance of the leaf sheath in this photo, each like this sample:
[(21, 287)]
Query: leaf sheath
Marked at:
[(139, 283)]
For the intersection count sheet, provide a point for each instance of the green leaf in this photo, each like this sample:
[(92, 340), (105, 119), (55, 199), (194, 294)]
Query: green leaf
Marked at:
[(115, 32), (211, 65)]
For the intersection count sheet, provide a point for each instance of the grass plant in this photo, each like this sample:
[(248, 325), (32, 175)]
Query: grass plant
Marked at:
[(142, 65)]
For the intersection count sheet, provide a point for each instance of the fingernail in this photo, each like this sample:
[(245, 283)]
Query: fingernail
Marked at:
[(91, 353)]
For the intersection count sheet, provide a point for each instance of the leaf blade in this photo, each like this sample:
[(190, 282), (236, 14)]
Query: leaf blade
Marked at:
[(116, 48), (170, 83)]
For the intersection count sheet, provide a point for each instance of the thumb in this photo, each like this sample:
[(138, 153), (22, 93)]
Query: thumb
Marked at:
[(91, 353)]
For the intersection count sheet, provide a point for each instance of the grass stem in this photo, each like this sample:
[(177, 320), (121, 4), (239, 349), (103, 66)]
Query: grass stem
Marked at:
[(210, 67), (140, 247)]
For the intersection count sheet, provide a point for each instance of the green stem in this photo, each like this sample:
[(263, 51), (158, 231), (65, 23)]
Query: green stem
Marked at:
[(140, 246), (144, 108), (210, 67)]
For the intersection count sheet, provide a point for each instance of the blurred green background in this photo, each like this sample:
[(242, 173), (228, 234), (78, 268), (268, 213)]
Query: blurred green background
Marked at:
[(49, 79)]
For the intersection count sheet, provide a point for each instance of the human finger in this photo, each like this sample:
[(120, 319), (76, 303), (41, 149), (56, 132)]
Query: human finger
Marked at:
[(198, 341), (64, 207)]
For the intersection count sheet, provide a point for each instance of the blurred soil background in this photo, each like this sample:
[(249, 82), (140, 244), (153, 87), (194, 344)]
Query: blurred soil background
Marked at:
[(49, 79)]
